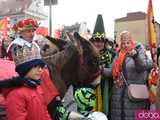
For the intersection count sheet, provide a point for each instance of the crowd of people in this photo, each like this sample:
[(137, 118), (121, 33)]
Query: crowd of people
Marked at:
[(120, 64)]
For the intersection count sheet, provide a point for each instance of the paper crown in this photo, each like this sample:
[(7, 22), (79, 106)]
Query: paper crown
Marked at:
[(25, 24), (25, 54)]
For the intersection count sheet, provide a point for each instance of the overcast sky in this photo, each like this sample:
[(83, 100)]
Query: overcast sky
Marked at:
[(70, 11)]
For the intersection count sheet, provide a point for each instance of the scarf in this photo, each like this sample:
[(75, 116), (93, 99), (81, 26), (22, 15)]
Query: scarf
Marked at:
[(117, 64), (32, 83)]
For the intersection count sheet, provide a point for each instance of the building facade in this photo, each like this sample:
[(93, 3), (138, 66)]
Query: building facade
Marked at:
[(136, 23), (20, 9)]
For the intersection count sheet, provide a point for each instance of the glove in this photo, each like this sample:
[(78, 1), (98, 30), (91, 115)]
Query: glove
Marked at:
[(62, 113), (76, 116)]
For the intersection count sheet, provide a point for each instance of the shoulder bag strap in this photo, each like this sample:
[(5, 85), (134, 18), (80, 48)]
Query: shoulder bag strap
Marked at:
[(124, 74)]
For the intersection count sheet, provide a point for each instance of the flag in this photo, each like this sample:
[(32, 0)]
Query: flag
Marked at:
[(42, 31), (151, 32), (154, 73), (4, 27), (57, 33)]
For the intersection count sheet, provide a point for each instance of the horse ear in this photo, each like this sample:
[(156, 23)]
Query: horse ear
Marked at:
[(72, 39), (77, 36), (86, 43), (58, 42)]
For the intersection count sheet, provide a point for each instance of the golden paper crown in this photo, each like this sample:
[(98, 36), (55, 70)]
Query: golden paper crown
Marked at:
[(25, 54)]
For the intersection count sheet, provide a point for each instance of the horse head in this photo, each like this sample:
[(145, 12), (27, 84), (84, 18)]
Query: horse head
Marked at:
[(49, 45), (88, 60), (75, 61), (85, 67)]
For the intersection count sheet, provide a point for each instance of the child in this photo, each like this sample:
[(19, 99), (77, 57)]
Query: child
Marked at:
[(26, 102)]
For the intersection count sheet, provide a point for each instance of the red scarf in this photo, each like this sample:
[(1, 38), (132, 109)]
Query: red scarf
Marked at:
[(117, 64)]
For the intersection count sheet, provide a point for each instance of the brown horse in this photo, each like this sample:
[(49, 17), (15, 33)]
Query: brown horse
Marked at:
[(71, 62)]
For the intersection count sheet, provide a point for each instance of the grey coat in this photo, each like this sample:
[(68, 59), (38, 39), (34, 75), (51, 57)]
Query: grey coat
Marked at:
[(135, 70)]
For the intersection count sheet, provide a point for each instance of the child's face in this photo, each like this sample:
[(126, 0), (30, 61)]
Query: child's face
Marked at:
[(27, 35), (35, 73)]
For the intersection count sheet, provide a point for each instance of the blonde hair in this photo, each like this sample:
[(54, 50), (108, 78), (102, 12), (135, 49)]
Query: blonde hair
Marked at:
[(125, 35)]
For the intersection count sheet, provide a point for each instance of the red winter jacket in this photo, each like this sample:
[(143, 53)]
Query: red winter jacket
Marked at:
[(25, 103)]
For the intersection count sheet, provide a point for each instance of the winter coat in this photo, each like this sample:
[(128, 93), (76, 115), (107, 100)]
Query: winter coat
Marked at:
[(25, 103), (106, 82), (135, 70)]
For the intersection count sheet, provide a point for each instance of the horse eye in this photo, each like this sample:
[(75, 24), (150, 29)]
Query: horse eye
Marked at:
[(45, 47)]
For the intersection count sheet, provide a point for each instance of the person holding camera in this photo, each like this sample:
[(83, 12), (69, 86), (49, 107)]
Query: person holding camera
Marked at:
[(132, 61)]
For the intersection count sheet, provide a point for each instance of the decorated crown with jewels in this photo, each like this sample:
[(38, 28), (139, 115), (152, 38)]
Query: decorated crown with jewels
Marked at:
[(26, 54)]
